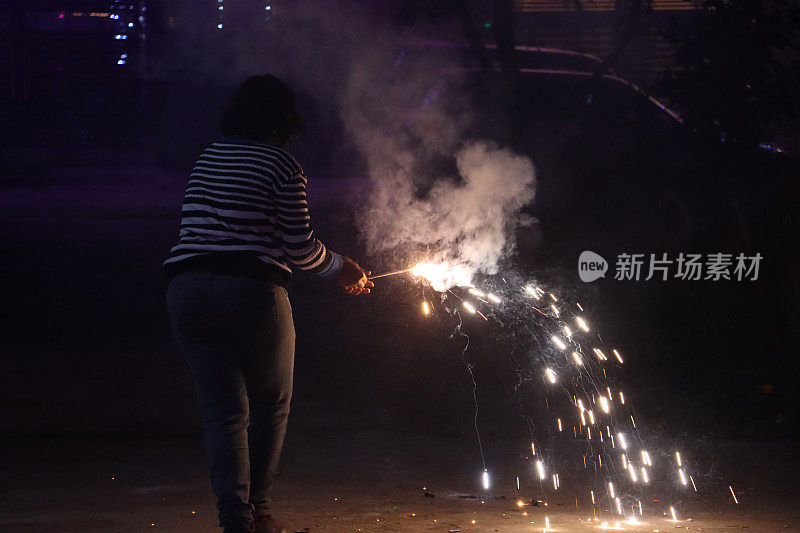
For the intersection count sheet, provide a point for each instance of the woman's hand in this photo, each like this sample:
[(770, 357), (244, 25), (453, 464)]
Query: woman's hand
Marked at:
[(353, 279)]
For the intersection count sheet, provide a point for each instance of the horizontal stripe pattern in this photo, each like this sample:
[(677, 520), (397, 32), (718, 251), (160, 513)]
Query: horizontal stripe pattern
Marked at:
[(251, 197)]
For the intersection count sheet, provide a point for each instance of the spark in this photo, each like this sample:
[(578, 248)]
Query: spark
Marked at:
[(577, 358), (426, 308), (547, 520), (553, 297), (682, 476), (476, 292), (582, 324), (618, 356), (567, 332), (678, 458), (621, 398), (492, 297), (604, 404), (534, 291), (558, 342), (469, 307), (517, 482), (555, 310), (592, 493), (600, 355), (555, 481), (611, 489), (644, 476), (559, 424), (632, 471), (533, 449), (591, 417), (624, 461), (640, 508), (672, 512), (485, 479), (621, 439), (540, 469), (693, 485), (734, 495), (646, 458), (551, 375), (619, 505), (520, 503)]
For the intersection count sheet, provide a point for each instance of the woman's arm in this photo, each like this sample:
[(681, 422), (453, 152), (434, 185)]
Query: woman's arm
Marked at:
[(303, 248)]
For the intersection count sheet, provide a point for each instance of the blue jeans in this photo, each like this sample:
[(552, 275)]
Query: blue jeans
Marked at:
[(237, 336)]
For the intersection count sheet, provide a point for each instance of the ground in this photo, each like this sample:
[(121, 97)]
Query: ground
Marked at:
[(350, 481)]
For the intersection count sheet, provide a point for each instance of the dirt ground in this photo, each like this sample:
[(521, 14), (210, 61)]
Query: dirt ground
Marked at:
[(350, 481)]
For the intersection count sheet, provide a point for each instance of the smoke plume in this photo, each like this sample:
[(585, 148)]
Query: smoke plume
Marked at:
[(406, 120)]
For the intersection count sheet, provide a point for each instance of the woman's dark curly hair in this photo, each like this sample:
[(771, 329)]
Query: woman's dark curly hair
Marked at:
[(263, 109)]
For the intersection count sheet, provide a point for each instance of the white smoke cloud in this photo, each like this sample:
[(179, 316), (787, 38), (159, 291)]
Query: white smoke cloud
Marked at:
[(403, 121)]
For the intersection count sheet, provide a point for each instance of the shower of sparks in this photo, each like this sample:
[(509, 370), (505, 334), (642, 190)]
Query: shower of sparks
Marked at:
[(588, 383)]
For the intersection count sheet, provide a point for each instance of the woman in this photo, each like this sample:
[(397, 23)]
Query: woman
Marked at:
[(245, 225)]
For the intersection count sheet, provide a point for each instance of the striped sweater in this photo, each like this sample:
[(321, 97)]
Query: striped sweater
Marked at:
[(249, 198)]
